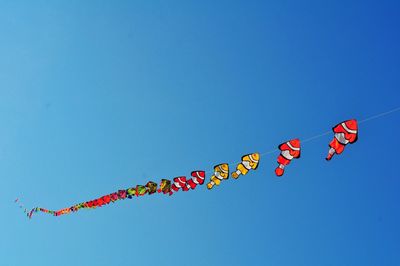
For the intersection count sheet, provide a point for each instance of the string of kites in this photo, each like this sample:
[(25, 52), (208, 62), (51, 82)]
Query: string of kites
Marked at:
[(345, 133)]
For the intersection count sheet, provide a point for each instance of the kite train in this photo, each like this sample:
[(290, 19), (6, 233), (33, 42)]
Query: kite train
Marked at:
[(345, 133)]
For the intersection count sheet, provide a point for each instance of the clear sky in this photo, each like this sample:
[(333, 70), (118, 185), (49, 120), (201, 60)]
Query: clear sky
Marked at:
[(101, 95)]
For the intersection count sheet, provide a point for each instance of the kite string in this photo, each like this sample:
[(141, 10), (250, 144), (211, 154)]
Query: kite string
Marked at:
[(379, 115)]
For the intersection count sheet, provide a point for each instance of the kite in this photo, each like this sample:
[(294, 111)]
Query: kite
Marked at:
[(179, 182), (221, 171), (345, 132), (165, 186), (141, 190), (152, 187), (289, 150), (130, 192), (197, 179), (249, 161)]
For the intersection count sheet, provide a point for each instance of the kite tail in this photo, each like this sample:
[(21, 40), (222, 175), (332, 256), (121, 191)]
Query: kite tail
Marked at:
[(140, 190)]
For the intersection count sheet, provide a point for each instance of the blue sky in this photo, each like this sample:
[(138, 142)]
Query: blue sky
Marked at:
[(99, 96)]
